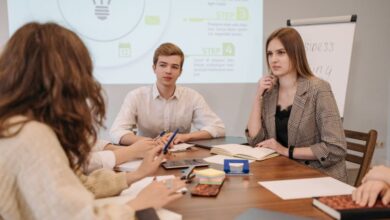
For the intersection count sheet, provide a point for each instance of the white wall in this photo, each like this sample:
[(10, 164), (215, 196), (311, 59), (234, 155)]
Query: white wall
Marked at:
[(3, 23), (368, 99)]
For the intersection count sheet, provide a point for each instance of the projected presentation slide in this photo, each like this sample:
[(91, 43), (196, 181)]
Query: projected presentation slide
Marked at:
[(221, 39)]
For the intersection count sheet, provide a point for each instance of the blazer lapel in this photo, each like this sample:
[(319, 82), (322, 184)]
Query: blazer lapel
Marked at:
[(271, 111), (297, 109)]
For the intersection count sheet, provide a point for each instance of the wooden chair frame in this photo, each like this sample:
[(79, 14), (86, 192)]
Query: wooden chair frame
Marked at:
[(366, 149)]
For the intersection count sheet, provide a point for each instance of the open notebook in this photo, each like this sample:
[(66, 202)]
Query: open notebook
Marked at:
[(209, 143), (243, 151)]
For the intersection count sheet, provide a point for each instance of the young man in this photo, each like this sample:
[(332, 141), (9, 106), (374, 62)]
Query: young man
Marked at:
[(166, 106)]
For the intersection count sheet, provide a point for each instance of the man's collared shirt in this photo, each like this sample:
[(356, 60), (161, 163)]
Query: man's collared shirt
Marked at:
[(151, 114)]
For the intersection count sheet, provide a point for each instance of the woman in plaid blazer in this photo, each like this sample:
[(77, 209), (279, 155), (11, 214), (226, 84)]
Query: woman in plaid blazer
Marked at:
[(294, 112)]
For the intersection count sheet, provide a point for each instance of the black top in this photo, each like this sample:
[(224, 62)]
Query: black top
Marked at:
[(281, 122)]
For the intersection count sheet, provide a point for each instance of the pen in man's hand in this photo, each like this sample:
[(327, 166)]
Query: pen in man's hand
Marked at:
[(159, 136), (165, 149)]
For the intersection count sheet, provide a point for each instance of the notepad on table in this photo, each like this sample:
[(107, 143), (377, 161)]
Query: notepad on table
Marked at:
[(243, 151), (136, 187), (131, 192), (180, 147)]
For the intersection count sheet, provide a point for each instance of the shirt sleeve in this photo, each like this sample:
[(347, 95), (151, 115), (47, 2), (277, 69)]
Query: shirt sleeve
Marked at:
[(205, 119), (125, 119), (100, 145), (104, 183), (49, 186), (259, 137), (261, 134), (101, 159)]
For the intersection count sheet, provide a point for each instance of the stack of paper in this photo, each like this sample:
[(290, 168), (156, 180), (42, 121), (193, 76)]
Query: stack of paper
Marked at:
[(210, 176)]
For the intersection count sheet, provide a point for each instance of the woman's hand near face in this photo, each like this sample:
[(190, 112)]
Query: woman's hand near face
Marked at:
[(265, 83)]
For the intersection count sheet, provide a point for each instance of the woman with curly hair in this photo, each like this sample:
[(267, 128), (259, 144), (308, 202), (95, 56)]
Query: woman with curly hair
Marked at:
[(50, 110)]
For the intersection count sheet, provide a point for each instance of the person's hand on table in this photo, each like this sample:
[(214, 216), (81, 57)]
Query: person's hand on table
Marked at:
[(158, 194), (274, 145)]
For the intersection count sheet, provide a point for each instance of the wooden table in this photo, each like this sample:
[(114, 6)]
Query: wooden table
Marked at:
[(240, 193)]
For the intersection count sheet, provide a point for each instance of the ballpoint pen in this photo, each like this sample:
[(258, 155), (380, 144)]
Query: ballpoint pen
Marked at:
[(165, 149), (159, 136)]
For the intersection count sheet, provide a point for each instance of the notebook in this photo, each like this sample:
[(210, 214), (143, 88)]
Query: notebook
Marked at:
[(208, 144), (243, 151), (343, 207)]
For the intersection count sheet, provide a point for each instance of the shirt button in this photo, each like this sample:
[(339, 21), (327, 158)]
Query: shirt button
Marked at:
[(307, 162)]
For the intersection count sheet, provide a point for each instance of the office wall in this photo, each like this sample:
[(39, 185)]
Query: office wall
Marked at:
[(367, 101), (3, 23)]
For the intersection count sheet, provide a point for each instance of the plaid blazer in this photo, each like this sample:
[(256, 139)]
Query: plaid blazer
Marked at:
[(314, 122)]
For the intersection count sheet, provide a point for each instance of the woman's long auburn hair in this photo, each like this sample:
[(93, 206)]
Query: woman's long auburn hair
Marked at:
[(46, 75), (293, 43)]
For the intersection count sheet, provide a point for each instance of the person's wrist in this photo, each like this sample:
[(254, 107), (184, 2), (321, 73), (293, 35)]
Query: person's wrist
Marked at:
[(291, 152), (285, 152), (259, 95), (136, 152), (387, 180), (136, 204), (134, 176), (186, 137)]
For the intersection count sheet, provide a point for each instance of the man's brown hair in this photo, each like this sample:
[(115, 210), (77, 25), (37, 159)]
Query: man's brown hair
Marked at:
[(168, 49)]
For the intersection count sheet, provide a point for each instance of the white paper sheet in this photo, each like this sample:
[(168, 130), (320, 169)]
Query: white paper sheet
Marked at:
[(163, 214), (181, 147), (129, 166), (136, 187), (307, 188)]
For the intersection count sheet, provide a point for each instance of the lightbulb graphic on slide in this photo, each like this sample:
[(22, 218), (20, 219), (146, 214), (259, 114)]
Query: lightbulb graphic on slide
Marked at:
[(116, 32), (102, 8), (102, 20)]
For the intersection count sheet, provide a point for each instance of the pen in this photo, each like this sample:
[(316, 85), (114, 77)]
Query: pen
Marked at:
[(159, 136), (165, 149)]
